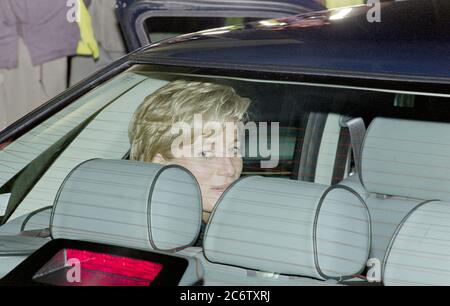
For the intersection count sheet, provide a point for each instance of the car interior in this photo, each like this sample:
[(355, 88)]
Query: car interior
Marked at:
[(333, 202)]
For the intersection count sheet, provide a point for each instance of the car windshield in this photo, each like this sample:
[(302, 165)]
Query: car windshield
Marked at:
[(306, 120), (289, 131)]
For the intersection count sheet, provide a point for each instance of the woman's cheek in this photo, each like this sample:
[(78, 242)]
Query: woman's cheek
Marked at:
[(238, 166)]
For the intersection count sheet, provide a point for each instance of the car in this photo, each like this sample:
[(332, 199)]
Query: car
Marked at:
[(345, 153)]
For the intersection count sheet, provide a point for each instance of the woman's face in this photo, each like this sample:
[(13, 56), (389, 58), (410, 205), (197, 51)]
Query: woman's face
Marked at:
[(215, 166)]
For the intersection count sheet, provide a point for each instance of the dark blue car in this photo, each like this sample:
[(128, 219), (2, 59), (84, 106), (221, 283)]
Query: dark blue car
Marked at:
[(335, 172)]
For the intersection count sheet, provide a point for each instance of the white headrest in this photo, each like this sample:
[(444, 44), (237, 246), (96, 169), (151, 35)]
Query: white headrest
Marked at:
[(419, 252), (407, 158), (127, 203), (290, 227)]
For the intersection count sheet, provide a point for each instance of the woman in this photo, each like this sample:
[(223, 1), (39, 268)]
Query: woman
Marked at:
[(213, 158)]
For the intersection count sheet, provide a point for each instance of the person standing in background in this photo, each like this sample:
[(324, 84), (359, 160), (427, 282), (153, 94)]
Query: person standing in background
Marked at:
[(36, 37), (330, 4), (109, 36)]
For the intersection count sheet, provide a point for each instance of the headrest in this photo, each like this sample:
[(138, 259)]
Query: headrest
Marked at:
[(407, 158), (128, 203), (290, 227), (419, 252)]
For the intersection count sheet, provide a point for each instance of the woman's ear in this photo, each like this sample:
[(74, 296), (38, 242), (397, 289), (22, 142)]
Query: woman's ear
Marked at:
[(159, 159)]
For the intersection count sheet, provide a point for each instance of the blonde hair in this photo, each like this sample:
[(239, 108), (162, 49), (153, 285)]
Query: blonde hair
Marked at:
[(178, 101)]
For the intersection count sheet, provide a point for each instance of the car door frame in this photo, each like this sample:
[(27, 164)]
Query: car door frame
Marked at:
[(132, 14)]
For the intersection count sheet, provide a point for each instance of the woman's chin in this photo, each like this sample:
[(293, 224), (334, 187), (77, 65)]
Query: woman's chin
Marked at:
[(210, 201)]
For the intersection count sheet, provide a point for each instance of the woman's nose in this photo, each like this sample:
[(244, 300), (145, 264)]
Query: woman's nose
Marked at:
[(226, 167)]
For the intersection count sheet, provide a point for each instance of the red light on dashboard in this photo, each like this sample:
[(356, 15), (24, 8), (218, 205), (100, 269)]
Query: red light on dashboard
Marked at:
[(137, 272)]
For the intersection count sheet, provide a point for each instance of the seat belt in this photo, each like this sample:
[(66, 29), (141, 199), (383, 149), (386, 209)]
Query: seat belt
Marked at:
[(357, 130), (342, 155), (306, 170)]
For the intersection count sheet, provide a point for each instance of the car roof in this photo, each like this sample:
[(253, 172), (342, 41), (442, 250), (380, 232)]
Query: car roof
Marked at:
[(412, 40)]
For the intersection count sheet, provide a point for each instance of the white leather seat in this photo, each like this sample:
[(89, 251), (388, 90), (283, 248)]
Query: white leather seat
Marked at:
[(224, 275), (288, 230), (419, 253), (330, 147), (130, 204), (124, 203), (404, 164), (35, 221)]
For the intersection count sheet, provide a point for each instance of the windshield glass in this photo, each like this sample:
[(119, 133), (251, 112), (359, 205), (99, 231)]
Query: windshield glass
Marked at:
[(306, 122), (223, 129)]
